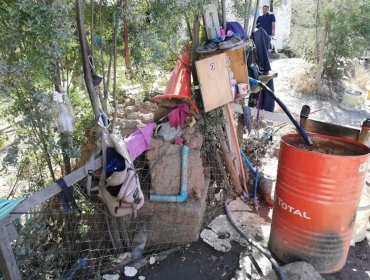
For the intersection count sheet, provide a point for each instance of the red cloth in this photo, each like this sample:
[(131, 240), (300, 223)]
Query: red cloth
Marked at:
[(177, 117)]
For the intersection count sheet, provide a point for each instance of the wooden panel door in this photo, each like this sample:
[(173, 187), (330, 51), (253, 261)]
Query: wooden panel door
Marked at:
[(214, 81)]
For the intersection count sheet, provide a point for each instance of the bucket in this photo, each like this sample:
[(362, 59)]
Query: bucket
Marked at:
[(318, 190), (362, 217), (352, 100)]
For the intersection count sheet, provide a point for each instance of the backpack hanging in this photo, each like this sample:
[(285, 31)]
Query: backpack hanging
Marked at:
[(119, 184)]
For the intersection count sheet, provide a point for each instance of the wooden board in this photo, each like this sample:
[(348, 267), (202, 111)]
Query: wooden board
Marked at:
[(330, 129), (233, 142), (8, 264), (238, 65), (214, 81), (45, 194), (238, 61)]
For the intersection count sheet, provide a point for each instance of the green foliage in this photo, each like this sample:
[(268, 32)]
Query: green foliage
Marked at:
[(33, 40), (3, 139), (348, 36), (302, 36), (37, 40)]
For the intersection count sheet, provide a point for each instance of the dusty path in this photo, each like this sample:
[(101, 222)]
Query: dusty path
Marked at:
[(287, 68)]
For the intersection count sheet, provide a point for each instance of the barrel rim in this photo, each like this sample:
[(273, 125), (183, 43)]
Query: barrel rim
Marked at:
[(341, 139)]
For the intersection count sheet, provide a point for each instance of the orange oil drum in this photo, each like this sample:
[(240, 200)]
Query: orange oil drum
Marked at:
[(318, 190)]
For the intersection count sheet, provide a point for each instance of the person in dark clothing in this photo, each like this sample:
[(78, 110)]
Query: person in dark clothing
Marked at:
[(267, 21)]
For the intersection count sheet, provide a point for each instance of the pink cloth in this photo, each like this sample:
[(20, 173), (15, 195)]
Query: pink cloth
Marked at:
[(139, 141), (179, 141), (177, 117)]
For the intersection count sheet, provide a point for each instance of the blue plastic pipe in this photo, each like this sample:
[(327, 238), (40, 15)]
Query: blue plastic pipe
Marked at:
[(184, 178), (246, 160), (256, 175), (255, 186)]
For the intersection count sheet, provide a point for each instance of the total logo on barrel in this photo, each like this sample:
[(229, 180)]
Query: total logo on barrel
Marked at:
[(293, 210)]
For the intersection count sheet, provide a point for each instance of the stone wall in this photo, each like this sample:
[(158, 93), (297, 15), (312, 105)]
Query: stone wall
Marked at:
[(131, 116)]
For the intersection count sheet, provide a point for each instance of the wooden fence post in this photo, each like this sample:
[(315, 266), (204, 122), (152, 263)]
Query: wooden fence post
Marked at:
[(8, 264)]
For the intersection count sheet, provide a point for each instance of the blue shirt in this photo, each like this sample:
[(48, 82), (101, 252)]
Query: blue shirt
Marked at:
[(265, 21)]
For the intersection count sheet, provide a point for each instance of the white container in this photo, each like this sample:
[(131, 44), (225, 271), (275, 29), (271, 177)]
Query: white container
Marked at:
[(166, 132), (352, 100), (362, 216)]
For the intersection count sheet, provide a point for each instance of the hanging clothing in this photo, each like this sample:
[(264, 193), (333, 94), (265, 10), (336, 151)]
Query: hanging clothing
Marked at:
[(178, 115), (262, 42), (139, 141)]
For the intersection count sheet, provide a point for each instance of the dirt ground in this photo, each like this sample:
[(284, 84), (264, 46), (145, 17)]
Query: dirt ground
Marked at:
[(200, 261)]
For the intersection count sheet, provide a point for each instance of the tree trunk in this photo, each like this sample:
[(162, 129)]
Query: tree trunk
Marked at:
[(195, 36), (246, 20), (188, 27), (255, 16), (321, 54), (271, 6), (65, 138), (39, 133), (317, 19), (104, 98), (94, 99), (127, 50), (92, 28), (245, 23), (114, 49)]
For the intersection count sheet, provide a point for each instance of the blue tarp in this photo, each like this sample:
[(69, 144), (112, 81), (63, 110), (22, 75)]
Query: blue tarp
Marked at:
[(6, 206)]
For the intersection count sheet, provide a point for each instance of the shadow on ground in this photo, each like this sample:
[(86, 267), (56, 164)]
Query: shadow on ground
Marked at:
[(199, 261)]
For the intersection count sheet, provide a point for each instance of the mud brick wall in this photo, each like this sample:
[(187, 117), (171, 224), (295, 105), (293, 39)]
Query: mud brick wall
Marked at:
[(165, 165), (175, 223), (169, 223)]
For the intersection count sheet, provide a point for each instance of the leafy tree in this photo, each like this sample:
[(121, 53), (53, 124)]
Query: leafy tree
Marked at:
[(34, 37), (333, 30)]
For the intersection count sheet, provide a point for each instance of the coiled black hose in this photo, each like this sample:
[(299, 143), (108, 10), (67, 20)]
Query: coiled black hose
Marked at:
[(254, 243)]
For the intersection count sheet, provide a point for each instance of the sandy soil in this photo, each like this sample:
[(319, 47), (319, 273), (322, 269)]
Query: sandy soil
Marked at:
[(287, 68)]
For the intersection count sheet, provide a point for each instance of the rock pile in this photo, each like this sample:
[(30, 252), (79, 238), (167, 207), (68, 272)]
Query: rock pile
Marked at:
[(132, 115)]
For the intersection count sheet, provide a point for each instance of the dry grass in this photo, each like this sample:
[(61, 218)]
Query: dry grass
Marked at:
[(360, 78), (305, 82)]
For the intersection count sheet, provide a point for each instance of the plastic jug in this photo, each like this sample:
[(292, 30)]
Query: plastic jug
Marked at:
[(362, 216)]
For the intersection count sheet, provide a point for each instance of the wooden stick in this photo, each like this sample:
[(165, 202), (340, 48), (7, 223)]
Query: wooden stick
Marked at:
[(230, 167), (234, 143), (8, 264)]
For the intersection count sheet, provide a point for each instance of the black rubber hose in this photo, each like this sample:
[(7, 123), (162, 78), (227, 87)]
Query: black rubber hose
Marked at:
[(301, 131), (254, 243)]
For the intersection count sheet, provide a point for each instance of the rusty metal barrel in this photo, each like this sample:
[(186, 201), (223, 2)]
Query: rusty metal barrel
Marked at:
[(318, 190)]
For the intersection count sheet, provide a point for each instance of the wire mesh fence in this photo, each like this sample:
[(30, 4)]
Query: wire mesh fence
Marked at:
[(55, 244)]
